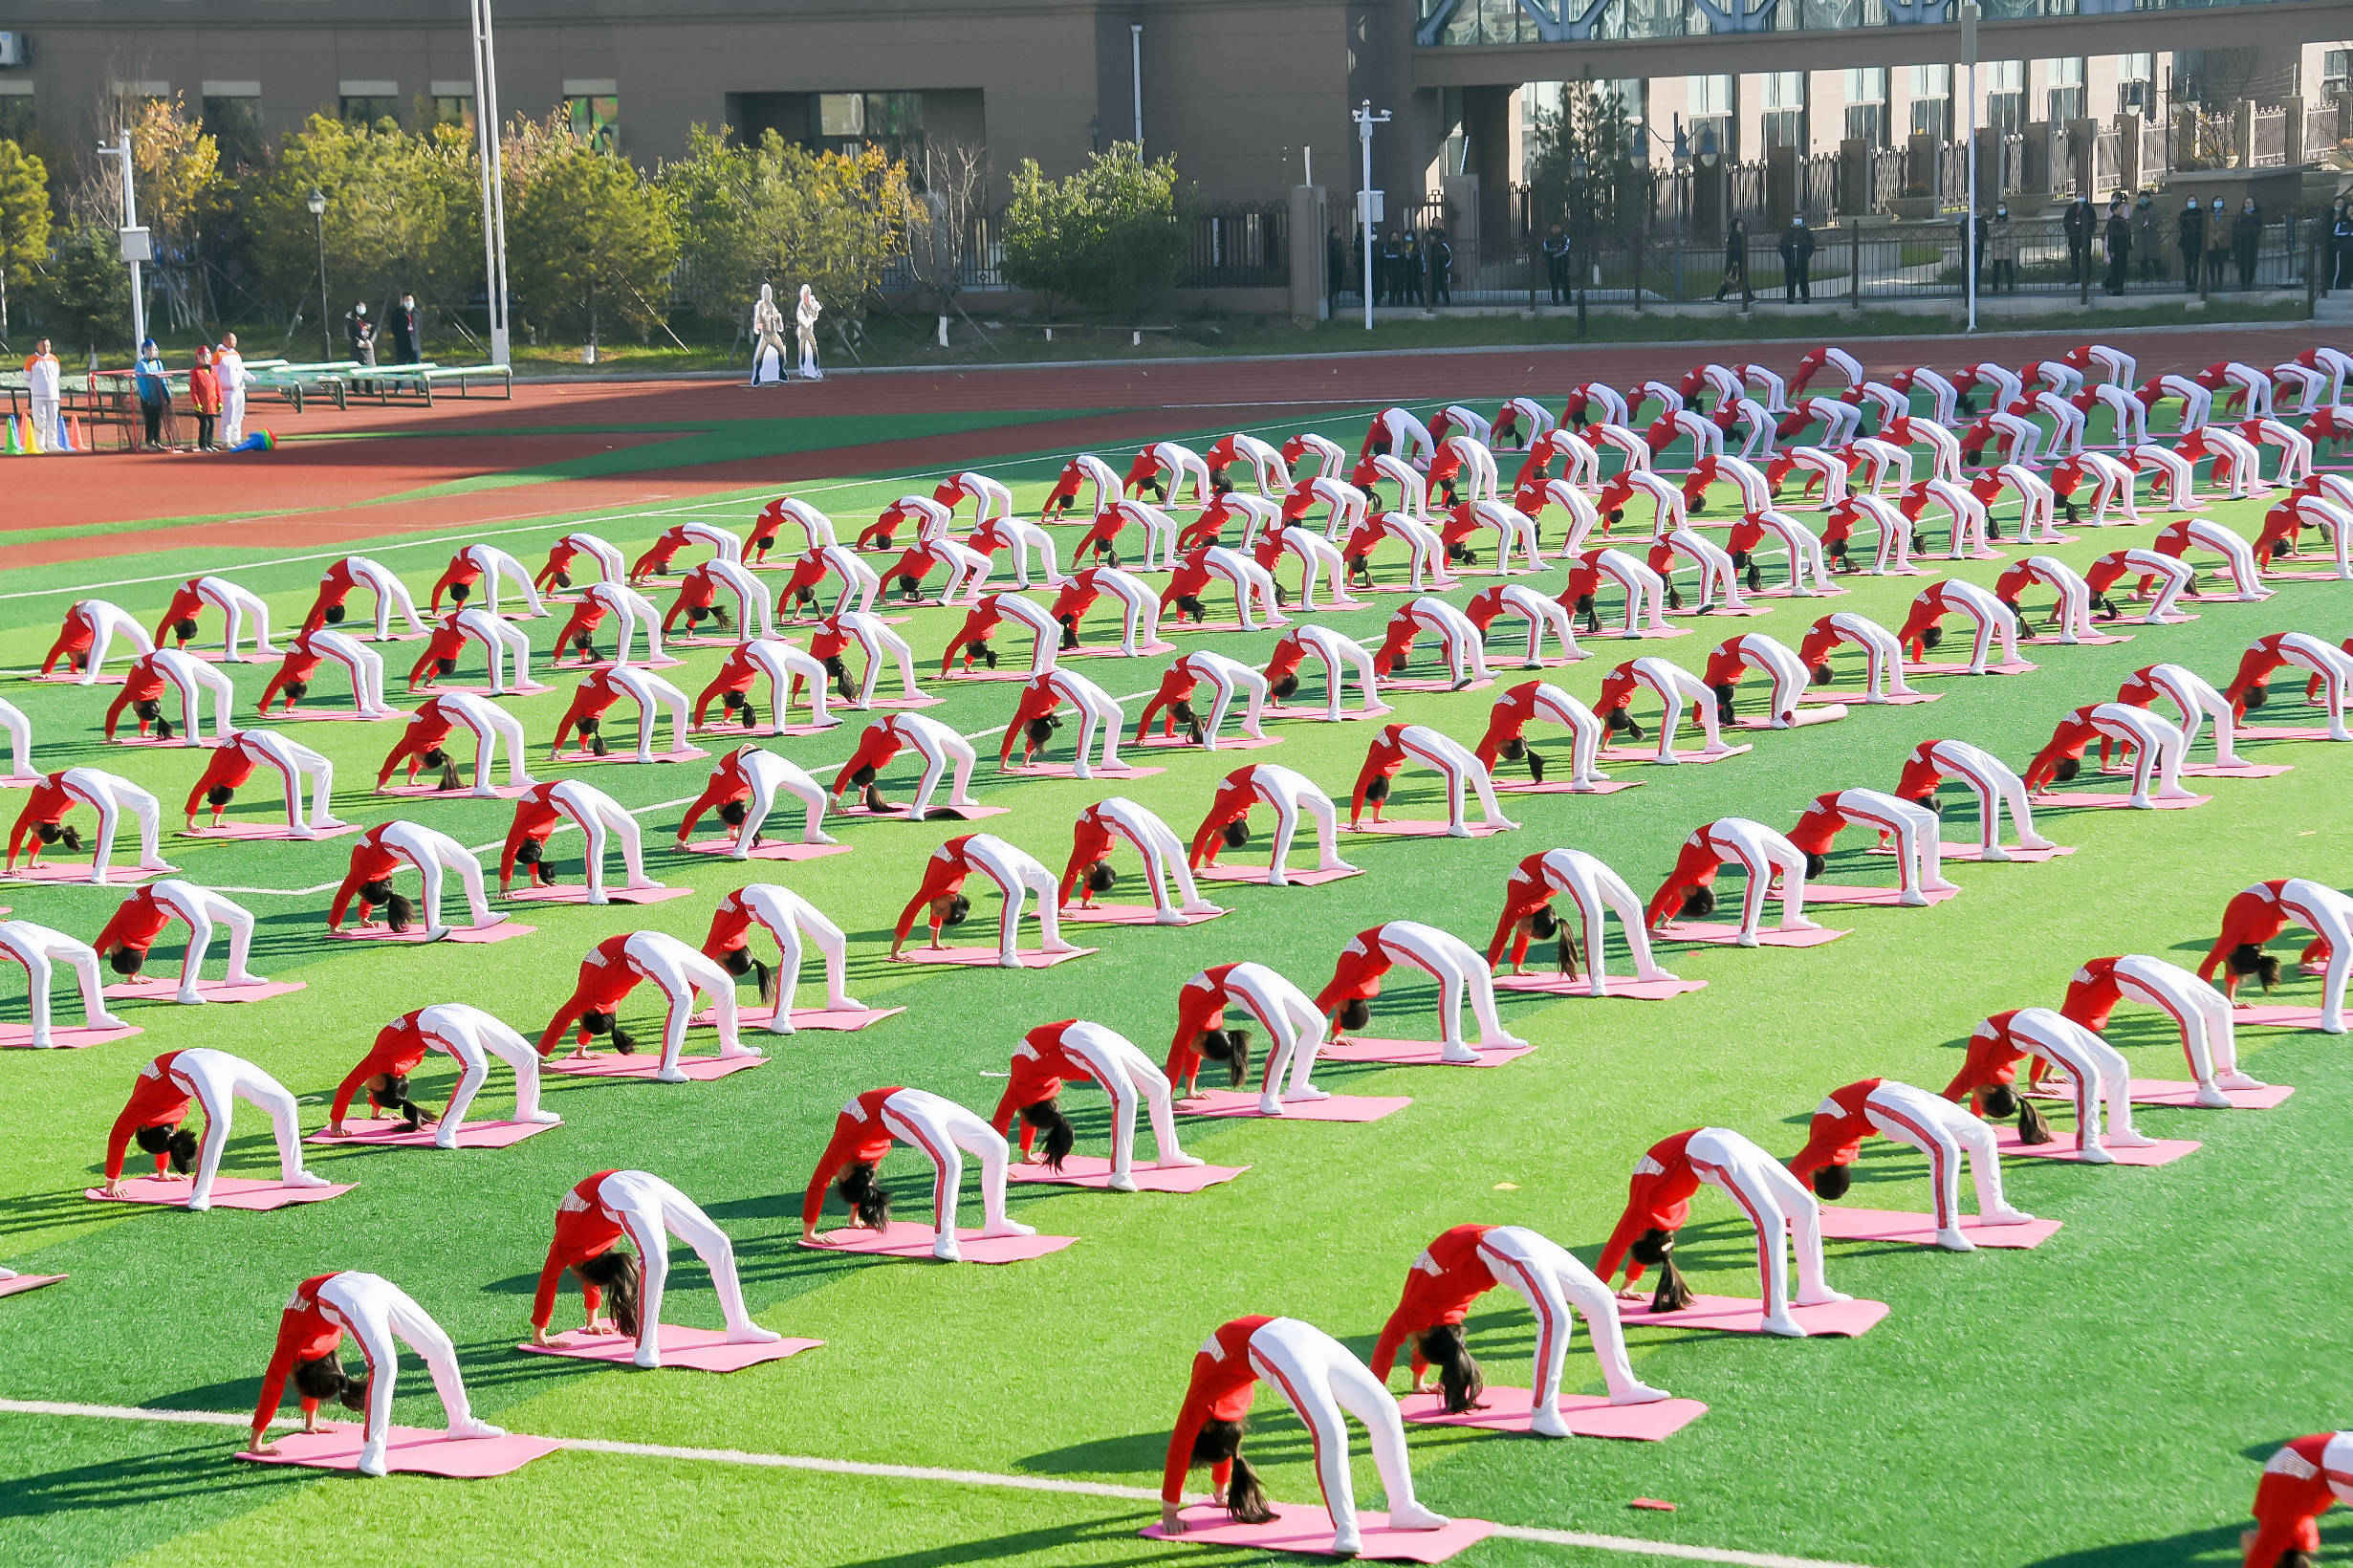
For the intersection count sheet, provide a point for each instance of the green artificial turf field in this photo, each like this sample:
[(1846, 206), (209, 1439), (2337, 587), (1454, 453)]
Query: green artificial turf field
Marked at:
[(2106, 1399)]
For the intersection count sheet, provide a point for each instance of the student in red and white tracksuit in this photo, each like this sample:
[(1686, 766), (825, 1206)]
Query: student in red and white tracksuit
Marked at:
[(490, 566), (233, 761), (941, 748), (2071, 611), (1809, 573), (2239, 382), (1168, 465), (2301, 1482), (1951, 596), (1345, 506), (39, 948), (1319, 561), (1395, 430), (1645, 590), (2210, 1040), (1400, 744), (466, 1034), (1325, 1384), (382, 1317), (2172, 576), (744, 786), (972, 638), (192, 678), (2234, 456), (1449, 960), (1138, 607), (1997, 787), (1425, 550), (1581, 465), (1935, 1126), (431, 724), (1668, 511), (643, 1208), (1329, 456), (1080, 471), (133, 927), (659, 556), (1034, 719), (42, 819), (2155, 742), (353, 572), (1688, 891), (1089, 872), (816, 527), (1020, 541), (2285, 524), (1459, 642), (1830, 467), (557, 571), (1412, 487), (1541, 615), (966, 569), (1252, 585), (1942, 393), (1659, 1201), (1339, 655), (877, 642), (637, 618), (1052, 1053), (790, 919), (2101, 1078), (239, 606), (932, 521), (88, 631), (1944, 447), (545, 807), (307, 651), (1522, 419), (1753, 484), (2196, 701), (1599, 892), (1103, 535), (1227, 678), (1018, 877), (2111, 480), (1717, 573), (860, 583), (698, 591), (2176, 490), (214, 1080), (1735, 655), (1891, 553), (602, 690), (2131, 414), (1269, 470), (1674, 687), (1467, 462), (1291, 795), (2260, 913), (2177, 539), (1292, 1023), (1911, 830), (1966, 515), (2331, 668), (1594, 403), (2038, 501), (506, 650), (1827, 355), (990, 497), (1464, 1264), (2112, 365), (867, 1129), (377, 856), (1513, 532), (615, 968), (1882, 669)]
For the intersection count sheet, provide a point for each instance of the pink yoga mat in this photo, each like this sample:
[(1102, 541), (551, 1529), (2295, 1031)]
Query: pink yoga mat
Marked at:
[(1092, 1170), (985, 958), (775, 849), (1721, 612), (1714, 935), (1849, 699), (1875, 897), (482, 689), (773, 731), (578, 893), (1618, 986), (1429, 682), (2271, 1016), (1243, 1104), (1561, 786), (1308, 1532), (1064, 770), (52, 871), (898, 812), (2096, 639), (645, 1064), (22, 1283), (410, 1450), (902, 1238), (1124, 914), (1504, 1409), (2325, 575), (68, 679), (2243, 770), (220, 656), (1111, 650), (1008, 673), (2179, 1093), (19, 1037), (2163, 1152), (326, 715), (162, 990), (1742, 1315), (2096, 801), (153, 743), (1316, 713), (1225, 624), (845, 1020), (1805, 718), (1682, 753), (267, 832), (2016, 666), (1974, 853), (577, 756), (1225, 743), (1429, 585), (464, 792), (1782, 590), (396, 1134), (1255, 876), (504, 930), (227, 1192), (1843, 1224), (904, 704), (1414, 1052), (683, 1349), (2291, 732), (1397, 828)]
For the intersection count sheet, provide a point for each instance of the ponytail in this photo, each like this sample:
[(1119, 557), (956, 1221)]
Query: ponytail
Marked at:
[(1460, 1380), (1673, 1295), (1046, 1116), (1230, 1046), (620, 1275), (2001, 1102), (869, 1202), (1220, 1442)]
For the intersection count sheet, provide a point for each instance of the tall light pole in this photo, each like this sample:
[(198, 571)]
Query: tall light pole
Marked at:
[(316, 202), (1366, 196), (489, 160), (134, 239), (1969, 141)]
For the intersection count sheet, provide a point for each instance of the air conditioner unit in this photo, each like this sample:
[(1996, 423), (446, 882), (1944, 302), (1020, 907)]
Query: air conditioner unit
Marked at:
[(15, 49)]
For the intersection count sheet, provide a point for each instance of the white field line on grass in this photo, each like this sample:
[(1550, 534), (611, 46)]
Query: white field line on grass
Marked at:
[(1629, 1545), (470, 536)]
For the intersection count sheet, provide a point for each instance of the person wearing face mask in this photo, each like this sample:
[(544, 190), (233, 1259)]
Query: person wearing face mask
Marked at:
[(2119, 243), (2217, 244), (2189, 238), (2001, 252), (1798, 261), (2081, 222), (407, 336), (2246, 239), (2145, 237), (2341, 244)]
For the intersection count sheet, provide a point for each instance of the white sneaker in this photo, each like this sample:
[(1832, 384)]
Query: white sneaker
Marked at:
[(672, 1075), (1783, 1325), (1639, 1393), (2211, 1097), (1458, 1055), (2007, 1217), (1548, 1424), (307, 1179), (542, 1119), (2236, 1079), (1010, 1227), (475, 1428), (371, 1458), (946, 1249), (1953, 1240), (1414, 1516), (1180, 1162), (753, 1333), (1827, 1299), (2130, 1139), (1123, 1184)]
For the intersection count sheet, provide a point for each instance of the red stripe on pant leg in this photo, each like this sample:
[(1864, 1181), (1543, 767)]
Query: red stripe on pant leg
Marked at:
[(943, 1207), (1741, 1197), (1934, 1148), (1266, 1368), (1545, 1327)]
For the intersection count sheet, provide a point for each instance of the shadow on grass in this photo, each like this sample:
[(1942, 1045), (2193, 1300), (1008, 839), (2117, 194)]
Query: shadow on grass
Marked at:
[(195, 1469), (1098, 1533)]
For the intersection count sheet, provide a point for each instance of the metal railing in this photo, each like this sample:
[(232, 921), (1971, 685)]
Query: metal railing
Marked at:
[(2270, 138), (1473, 23), (1237, 248)]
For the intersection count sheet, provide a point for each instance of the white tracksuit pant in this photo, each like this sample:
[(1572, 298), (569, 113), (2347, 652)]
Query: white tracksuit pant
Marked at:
[(1464, 775), (1514, 530), (2175, 579), (20, 739), (107, 621), (1893, 551), (1128, 1078), (1412, 489), (633, 614), (878, 641), (2101, 1078), (2199, 703), (202, 910), (366, 665), (1914, 833), (1326, 1384), (2073, 604), (1019, 875), (1945, 1133), (1762, 852), (297, 765), (1992, 618), (1139, 610), (941, 748), (382, 1317), (794, 923), (432, 853), (785, 666), (1023, 541), (111, 796), (40, 949), (1782, 669), (505, 647), (947, 1132), (1674, 687), (2328, 914), (1295, 1033), (493, 726), (2157, 750), (242, 609), (495, 564), (192, 678), (391, 594), (1583, 519), (1459, 641), (1809, 573), (679, 971), (2209, 1036), (606, 824), (1882, 656), (1098, 716), (1319, 561), (1045, 634), (2332, 667), (1997, 788), (1542, 614), (755, 607), (1779, 1206), (651, 1211), (217, 1079), (1645, 590), (1342, 656), (1228, 678), (1162, 851), (1601, 892), (769, 776), (1249, 582), (473, 1037), (652, 694), (1461, 974), (1348, 506), (611, 567), (1558, 1290), (1292, 793), (1584, 728)]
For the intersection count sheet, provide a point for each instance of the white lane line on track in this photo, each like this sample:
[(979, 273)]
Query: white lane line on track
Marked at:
[(1627, 1544)]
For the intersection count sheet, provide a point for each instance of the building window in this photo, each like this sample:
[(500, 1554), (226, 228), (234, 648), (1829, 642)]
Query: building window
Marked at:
[(1931, 110), (2005, 98), (2063, 101), (1866, 105), (2336, 69), (1783, 119), (594, 118), (894, 121), (234, 124), (452, 109), (16, 117), (366, 109)]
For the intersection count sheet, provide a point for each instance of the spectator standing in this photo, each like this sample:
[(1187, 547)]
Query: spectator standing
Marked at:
[(2145, 238), (1414, 266), (1390, 270), (205, 396), (2341, 243), (154, 386), (1440, 256), (2190, 239), (2217, 244), (406, 336), (2246, 241), (1736, 264), (2080, 222), (45, 385), (1334, 264), (362, 334), (2001, 252), (1798, 261), (230, 367), (1557, 264), (2118, 241)]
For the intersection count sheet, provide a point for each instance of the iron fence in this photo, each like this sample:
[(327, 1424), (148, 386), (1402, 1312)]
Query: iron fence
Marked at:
[(2270, 138)]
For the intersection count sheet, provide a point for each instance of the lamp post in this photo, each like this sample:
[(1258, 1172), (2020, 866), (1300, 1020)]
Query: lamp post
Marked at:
[(316, 202), (1365, 119), (134, 239), (1580, 216)]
